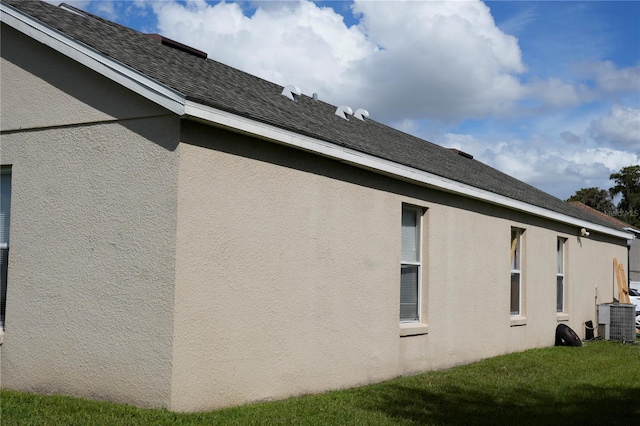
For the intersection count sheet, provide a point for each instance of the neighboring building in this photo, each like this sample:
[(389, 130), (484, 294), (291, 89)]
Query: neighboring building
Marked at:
[(182, 235)]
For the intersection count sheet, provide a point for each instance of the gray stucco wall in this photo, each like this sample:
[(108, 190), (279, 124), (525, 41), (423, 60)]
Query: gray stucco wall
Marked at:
[(287, 275), (91, 263)]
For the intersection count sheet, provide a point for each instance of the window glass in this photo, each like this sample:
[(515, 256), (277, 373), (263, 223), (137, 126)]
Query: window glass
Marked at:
[(515, 294), (409, 293), (560, 294), (515, 249), (410, 229), (560, 255), (5, 206)]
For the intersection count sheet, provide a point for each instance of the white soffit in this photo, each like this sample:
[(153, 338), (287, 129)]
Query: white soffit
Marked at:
[(177, 103)]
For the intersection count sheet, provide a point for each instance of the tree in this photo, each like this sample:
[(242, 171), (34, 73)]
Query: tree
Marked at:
[(628, 185), (596, 198)]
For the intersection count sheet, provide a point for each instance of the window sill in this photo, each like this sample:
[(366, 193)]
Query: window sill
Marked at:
[(413, 329), (561, 316), (518, 320)]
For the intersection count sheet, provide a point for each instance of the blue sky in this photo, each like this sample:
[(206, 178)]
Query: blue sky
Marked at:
[(548, 92)]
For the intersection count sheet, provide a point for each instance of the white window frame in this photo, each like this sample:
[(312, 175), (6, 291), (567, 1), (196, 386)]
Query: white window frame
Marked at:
[(561, 261), (419, 213), (516, 269)]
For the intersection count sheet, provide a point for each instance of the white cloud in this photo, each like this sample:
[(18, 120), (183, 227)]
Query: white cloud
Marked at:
[(287, 43), (554, 92), (621, 128), (609, 78), (438, 59), (521, 20), (552, 166), (410, 60), (596, 81)]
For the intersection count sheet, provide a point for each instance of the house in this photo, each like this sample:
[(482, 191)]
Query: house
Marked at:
[(181, 234)]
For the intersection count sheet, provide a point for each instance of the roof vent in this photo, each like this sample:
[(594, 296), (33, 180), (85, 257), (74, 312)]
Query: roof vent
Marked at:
[(69, 8), (461, 153), (177, 45), (361, 114), (343, 111), (291, 92)]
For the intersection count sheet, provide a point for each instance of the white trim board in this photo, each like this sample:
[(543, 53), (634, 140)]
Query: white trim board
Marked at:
[(177, 103)]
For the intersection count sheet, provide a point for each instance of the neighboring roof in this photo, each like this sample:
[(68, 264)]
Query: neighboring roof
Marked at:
[(180, 77), (614, 222)]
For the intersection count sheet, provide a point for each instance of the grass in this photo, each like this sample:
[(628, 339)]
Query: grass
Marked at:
[(598, 383)]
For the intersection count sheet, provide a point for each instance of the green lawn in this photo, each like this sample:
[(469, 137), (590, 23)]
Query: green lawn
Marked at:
[(597, 384)]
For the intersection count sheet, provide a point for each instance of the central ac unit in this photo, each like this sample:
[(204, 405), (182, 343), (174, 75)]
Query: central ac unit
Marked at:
[(617, 321)]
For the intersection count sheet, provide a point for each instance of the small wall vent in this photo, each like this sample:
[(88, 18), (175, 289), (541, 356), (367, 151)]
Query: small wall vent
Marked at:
[(343, 112), (361, 114), (291, 92)]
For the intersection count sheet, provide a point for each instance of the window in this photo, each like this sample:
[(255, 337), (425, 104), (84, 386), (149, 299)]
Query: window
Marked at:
[(560, 275), (516, 271), (410, 264), (5, 208)]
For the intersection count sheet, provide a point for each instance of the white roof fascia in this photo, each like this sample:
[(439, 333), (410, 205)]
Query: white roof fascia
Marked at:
[(632, 230), (102, 64), (367, 161)]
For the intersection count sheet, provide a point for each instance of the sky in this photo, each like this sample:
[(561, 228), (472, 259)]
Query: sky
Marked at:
[(545, 91)]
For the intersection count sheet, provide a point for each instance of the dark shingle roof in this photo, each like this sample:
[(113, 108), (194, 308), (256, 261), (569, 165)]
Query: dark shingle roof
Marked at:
[(220, 86)]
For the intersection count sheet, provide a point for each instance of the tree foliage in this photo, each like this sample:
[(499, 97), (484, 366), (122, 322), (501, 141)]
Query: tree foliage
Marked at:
[(627, 185), (596, 198)]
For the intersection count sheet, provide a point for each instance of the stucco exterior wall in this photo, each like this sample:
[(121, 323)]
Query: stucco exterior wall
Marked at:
[(287, 275), (91, 255), (57, 91)]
